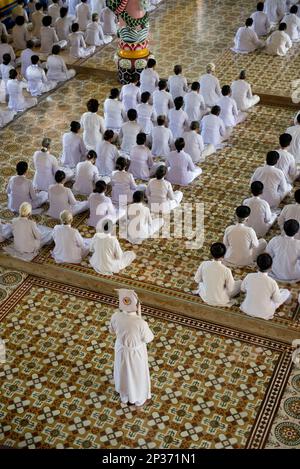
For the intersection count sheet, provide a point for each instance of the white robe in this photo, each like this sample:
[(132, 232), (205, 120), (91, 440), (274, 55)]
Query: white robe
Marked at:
[(275, 10), (289, 212), (194, 106), (70, 247), (107, 155), (217, 286), (130, 96), (86, 175), (53, 11), (242, 94), (128, 134), (16, 100), (213, 130), (149, 80), (5, 231), (97, 6), (28, 238), (7, 49), (63, 27), (263, 296), (114, 113), (229, 112), (83, 15), (162, 102), (246, 41), (19, 190), (38, 83), (146, 117), (62, 198), (74, 150), (261, 218), (139, 223), (278, 43), (101, 207), (20, 37), (210, 89), (287, 165), (78, 48), (6, 117), (45, 166), (294, 148), (162, 140), (72, 6), (261, 23), (37, 18), (195, 147), (242, 245), (275, 185), (285, 252), (182, 170), (57, 69), (131, 370), (94, 35), (109, 21), (177, 85), (108, 257), (161, 197), (123, 185), (178, 122), (93, 129), (141, 162), (49, 38), (26, 60), (293, 26)]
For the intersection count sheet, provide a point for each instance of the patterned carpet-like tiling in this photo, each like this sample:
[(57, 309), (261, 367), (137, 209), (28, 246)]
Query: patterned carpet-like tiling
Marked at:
[(212, 387)]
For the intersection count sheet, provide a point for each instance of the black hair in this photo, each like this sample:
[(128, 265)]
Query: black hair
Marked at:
[(100, 187), (92, 105), (195, 86), (272, 158), (285, 140), (218, 250), (264, 262), (179, 144), (108, 135), (60, 176), (161, 172), (138, 196), (291, 227), (177, 69), (243, 212), (121, 163), (257, 188), (75, 126), (114, 93), (47, 20), (145, 97), (141, 138), (178, 102), (132, 114), (21, 168)]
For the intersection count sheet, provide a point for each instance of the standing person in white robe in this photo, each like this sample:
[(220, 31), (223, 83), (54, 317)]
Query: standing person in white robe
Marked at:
[(93, 125), (109, 21), (145, 113), (53, 10), (83, 14), (20, 189), (61, 198), (213, 129), (16, 100), (194, 145), (101, 206), (182, 170), (26, 57), (241, 242), (242, 94), (162, 99), (141, 161), (216, 285), (229, 111), (293, 24), (108, 257), (261, 219), (178, 119), (70, 247), (285, 252), (286, 161), (130, 94), (139, 223), (275, 10), (263, 296), (261, 23), (128, 132), (20, 34), (107, 154), (114, 112), (149, 77), (210, 88), (273, 179), (38, 82), (291, 212), (63, 24), (86, 175), (131, 369), (279, 43), (177, 84), (123, 183), (37, 18), (56, 67), (194, 104), (294, 131), (160, 194), (78, 47), (94, 35), (161, 138), (246, 39), (49, 36), (74, 149)]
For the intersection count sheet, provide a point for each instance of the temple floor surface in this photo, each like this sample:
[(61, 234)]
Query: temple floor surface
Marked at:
[(215, 383)]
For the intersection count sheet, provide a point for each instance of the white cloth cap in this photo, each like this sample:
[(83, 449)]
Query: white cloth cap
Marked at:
[(128, 300)]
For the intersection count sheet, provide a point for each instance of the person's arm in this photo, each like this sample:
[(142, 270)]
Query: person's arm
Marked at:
[(225, 238), (198, 276), (31, 191), (102, 125), (170, 193), (268, 213), (150, 159), (229, 281), (133, 185), (244, 285), (82, 148), (218, 88), (79, 240), (118, 253), (185, 85), (269, 249), (282, 187), (281, 218), (191, 166), (35, 232), (254, 240), (249, 92), (12, 54), (55, 38), (71, 198), (147, 335), (275, 296), (234, 109), (8, 189)]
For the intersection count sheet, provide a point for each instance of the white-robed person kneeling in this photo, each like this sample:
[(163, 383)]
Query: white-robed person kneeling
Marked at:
[(242, 94), (101, 206), (279, 42), (131, 369), (16, 100), (160, 194), (246, 39), (108, 257), (56, 66), (213, 130), (70, 246), (182, 170), (38, 82), (28, 236), (61, 198), (139, 224), (93, 125), (114, 111)]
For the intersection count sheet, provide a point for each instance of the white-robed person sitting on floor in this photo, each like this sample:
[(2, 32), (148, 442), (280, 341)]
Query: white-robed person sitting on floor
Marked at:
[(123, 183), (139, 224), (128, 132), (36, 21), (16, 100), (53, 10), (149, 77), (107, 154), (20, 189), (292, 21), (145, 113), (178, 118), (194, 144), (160, 194), (28, 236), (108, 257), (141, 165), (26, 57), (261, 23), (101, 206), (70, 246), (216, 285), (229, 111), (86, 175), (109, 21), (130, 94), (177, 83), (38, 82), (286, 161), (181, 169), (291, 212), (5, 68), (5, 231), (242, 94), (6, 48), (83, 14), (131, 369), (285, 252), (49, 36), (20, 34), (210, 88), (161, 138), (63, 24), (261, 218), (213, 129), (94, 35), (194, 104), (279, 42), (246, 39), (56, 66), (294, 131), (275, 10), (241, 241), (273, 179), (78, 47), (114, 112), (92, 124), (74, 149), (61, 198), (263, 296), (162, 99)]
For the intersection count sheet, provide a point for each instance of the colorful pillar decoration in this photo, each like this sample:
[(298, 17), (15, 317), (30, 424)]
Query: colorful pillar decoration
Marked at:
[(133, 52)]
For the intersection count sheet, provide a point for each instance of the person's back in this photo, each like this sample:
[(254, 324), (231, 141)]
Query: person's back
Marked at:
[(129, 132), (274, 184), (180, 165), (294, 131), (287, 165), (37, 18), (246, 40), (229, 111), (194, 145), (45, 166), (93, 127), (260, 217), (58, 200), (239, 92), (240, 241), (73, 149), (6, 49), (107, 156), (215, 278), (149, 80), (26, 60), (62, 27), (83, 15), (290, 212), (129, 95), (261, 24), (48, 39), (26, 236), (20, 36), (19, 191), (140, 162), (107, 251), (212, 129), (35, 77), (162, 102), (274, 10), (161, 138), (68, 245), (278, 43), (101, 208), (86, 175), (261, 294), (194, 105), (285, 252), (292, 22), (210, 89), (177, 85)]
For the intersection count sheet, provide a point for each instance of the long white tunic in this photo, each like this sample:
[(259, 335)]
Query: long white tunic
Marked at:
[(194, 145), (278, 43), (261, 23), (275, 10), (242, 94), (16, 101), (97, 6), (53, 11), (294, 148), (287, 165), (72, 6), (141, 162), (210, 89), (212, 130), (109, 21), (37, 18), (229, 111), (7, 49), (131, 370), (5, 231), (161, 196), (162, 102), (19, 190), (45, 166), (74, 150), (107, 155), (26, 60), (20, 36), (48, 39), (57, 69), (4, 72), (146, 117), (240, 241), (130, 96), (139, 223), (94, 35), (27, 237), (162, 140), (290, 212), (128, 134), (37, 81), (6, 116), (194, 106), (275, 185), (114, 113), (123, 185), (285, 252), (181, 168), (246, 40), (177, 85), (69, 245), (108, 257), (63, 27), (83, 15), (86, 175), (93, 129), (216, 283), (78, 48), (261, 218), (149, 80), (178, 122), (62, 198), (101, 207), (293, 26)]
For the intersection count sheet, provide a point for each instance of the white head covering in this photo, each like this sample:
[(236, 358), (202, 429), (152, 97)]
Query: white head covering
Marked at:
[(128, 300)]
